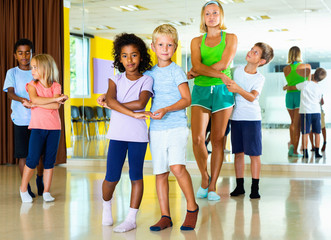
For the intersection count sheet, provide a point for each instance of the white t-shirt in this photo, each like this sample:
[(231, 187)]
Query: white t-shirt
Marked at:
[(310, 97), (245, 110)]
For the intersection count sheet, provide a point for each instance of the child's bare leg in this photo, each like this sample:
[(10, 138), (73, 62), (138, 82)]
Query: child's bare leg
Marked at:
[(162, 189), (108, 189), (317, 145), (255, 170), (185, 183), (239, 166), (311, 138), (27, 174), (137, 189), (255, 166), (21, 164), (317, 140), (324, 139), (48, 175), (305, 145)]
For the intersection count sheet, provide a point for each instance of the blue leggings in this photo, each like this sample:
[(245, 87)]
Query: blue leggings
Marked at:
[(116, 156), (43, 142)]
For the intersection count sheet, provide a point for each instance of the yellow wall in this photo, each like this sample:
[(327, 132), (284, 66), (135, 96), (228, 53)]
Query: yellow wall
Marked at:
[(66, 77)]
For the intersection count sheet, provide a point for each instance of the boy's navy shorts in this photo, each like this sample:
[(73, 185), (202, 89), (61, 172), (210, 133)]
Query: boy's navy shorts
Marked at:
[(312, 120), (246, 137)]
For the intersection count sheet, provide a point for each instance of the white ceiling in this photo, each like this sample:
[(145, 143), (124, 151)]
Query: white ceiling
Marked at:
[(311, 31)]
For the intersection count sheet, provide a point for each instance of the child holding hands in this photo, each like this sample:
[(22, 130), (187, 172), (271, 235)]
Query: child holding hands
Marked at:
[(127, 96), (168, 129), (310, 110), (45, 124), (246, 136)]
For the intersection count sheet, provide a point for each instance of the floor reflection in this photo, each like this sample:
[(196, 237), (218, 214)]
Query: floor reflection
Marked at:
[(290, 208)]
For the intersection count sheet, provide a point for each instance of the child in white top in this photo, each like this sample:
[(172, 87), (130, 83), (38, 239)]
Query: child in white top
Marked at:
[(246, 137), (310, 109)]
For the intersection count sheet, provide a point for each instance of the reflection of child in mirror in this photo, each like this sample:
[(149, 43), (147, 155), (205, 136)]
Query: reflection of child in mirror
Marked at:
[(310, 109)]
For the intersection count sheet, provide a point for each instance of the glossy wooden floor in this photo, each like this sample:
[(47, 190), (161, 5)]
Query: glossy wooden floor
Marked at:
[(294, 206)]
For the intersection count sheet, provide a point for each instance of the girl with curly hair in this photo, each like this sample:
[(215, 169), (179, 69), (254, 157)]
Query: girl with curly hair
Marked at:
[(127, 96)]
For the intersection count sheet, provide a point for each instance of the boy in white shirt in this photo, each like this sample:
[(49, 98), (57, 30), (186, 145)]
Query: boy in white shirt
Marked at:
[(310, 109), (246, 136)]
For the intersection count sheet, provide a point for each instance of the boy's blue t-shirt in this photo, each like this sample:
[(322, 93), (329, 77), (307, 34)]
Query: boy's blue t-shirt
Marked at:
[(17, 79), (166, 92)]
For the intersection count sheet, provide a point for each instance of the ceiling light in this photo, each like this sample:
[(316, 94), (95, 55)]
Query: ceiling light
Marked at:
[(255, 18), (307, 10), (129, 8)]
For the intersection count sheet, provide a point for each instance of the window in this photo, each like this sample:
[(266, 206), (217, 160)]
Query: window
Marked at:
[(79, 67)]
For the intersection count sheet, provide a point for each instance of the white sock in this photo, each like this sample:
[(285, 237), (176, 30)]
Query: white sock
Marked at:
[(25, 196), (48, 197), (129, 222), (107, 218)]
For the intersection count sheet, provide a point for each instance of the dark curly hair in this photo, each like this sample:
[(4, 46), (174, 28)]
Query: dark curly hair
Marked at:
[(22, 42), (126, 39)]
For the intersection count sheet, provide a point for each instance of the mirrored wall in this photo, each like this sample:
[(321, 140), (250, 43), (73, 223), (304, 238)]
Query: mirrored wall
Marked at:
[(93, 24)]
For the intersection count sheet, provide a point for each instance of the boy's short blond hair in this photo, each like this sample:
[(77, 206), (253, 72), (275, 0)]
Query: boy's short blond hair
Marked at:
[(319, 74), (165, 29), (267, 52)]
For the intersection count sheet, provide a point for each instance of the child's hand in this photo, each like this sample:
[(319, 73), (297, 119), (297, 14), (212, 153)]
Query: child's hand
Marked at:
[(191, 74), (227, 80), (62, 99), (158, 114), (285, 87), (232, 86), (27, 103), (101, 100), (140, 115)]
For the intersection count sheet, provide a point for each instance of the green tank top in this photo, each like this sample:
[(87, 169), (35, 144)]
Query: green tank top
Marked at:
[(209, 56), (294, 78)]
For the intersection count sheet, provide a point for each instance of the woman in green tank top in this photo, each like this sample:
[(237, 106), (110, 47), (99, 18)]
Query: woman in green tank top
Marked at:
[(211, 56), (296, 72)]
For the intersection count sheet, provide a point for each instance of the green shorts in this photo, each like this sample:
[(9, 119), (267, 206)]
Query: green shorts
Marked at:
[(213, 98), (292, 100)]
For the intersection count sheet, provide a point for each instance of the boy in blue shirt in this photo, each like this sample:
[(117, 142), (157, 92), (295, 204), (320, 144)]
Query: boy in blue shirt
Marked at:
[(14, 85), (168, 128)]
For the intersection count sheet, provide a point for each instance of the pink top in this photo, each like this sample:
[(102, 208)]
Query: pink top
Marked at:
[(42, 118)]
